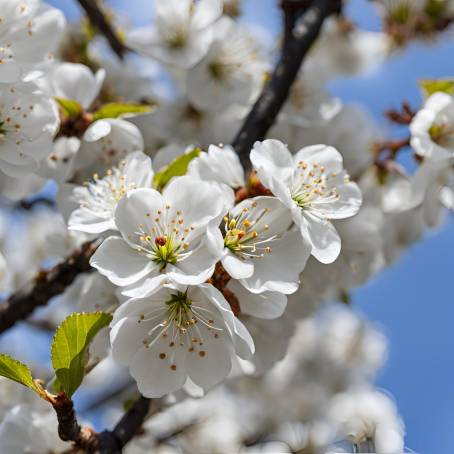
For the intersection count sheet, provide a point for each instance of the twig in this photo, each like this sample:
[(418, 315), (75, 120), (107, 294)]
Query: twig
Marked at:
[(266, 109), (90, 441), (131, 421), (100, 22), (68, 427), (45, 286), (402, 117)]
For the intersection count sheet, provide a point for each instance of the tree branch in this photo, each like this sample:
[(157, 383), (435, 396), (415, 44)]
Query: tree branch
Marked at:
[(45, 286), (100, 22), (131, 421), (296, 45), (90, 441)]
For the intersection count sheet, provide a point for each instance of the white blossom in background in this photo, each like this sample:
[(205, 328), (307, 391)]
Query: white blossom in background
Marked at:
[(219, 164), (344, 48), (28, 122), (73, 81), (178, 333), (308, 105), (231, 73), (26, 430), (98, 199), (352, 131), (25, 28), (432, 128), (181, 34), (314, 186), (369, 418), (162, 235), (104, 145)]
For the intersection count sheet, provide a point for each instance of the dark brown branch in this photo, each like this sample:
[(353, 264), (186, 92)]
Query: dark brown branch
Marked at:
[(100, 22), (292, 9), (45, 286), (68, 427), (90, 441), (266, 109), (131, 421)]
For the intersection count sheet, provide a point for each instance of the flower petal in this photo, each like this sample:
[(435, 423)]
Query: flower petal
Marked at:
[(121, 264)]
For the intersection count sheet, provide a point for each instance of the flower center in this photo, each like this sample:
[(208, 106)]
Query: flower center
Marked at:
[(176, 39), (442, 134), (312, 183), (244, 238), (166, 241), (183, 324), (103, 194)]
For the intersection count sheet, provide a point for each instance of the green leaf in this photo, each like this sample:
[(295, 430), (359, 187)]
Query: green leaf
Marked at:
[(429, 87), (115, 110), (15, 370), (70, 107), (177, 168), (70, 347)]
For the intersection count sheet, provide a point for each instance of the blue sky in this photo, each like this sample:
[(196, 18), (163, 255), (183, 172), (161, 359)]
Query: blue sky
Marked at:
[(412, 301)]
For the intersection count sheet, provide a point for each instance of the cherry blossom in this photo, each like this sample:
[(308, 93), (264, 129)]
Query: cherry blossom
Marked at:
[(178, 333), (161, 235), (314, 186), (28, 123)]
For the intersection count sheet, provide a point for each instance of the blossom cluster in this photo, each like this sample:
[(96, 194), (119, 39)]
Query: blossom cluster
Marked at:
[(212, 272)]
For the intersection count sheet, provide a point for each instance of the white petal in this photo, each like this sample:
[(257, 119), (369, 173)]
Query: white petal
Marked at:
[(97, 130), (242, 340), (206, 12), (279, 270), (322, 155), (199, 201), (87, 221), (210, 369), (325, 241), (132, 210), (236, 267), (267, 305), (272, 159), (121, 264), (154, 375)]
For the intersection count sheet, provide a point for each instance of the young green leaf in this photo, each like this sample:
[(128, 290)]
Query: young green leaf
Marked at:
[(15, 370), (177, 168), (70, 107), (115, 110), (429, 87), (70, 347)]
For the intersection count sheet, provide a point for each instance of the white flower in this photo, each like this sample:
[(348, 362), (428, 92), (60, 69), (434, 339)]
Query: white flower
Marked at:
[(28, 123), (29, 29), (176, 333), (24, 429), (104, 145), (220, 165), (365, 415), (59, 164), (432, 128), (342, 50), (99, 198), (161, 233), (73, 81), (182, 33), (314, 186), (231, 72), (308, 103), (259, 249)]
